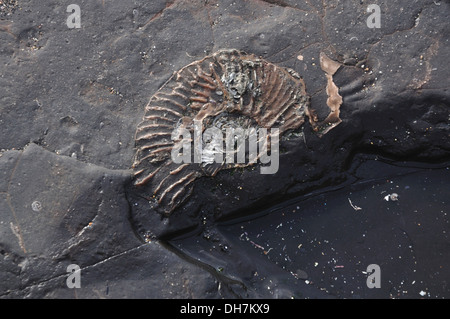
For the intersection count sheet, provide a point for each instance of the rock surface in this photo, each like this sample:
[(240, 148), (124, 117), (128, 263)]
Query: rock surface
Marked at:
[(71, 99)]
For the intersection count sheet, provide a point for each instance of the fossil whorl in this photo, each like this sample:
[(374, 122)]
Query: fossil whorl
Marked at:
[(229, 88)]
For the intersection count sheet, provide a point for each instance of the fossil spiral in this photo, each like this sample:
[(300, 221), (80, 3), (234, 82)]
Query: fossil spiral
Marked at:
[(227, 89)]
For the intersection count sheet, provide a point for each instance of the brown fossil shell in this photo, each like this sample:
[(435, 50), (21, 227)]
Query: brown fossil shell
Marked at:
[(227, 88)]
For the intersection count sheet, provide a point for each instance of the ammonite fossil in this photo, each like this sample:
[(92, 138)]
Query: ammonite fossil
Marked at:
[(228, 89)]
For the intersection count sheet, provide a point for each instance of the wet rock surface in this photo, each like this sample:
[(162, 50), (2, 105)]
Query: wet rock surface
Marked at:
[(71, 100)]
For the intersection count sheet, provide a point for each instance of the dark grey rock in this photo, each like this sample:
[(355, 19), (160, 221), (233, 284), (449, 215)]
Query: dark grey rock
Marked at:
[(71, 99), (57, 211)]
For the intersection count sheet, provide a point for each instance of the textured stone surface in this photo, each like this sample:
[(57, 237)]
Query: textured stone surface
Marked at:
[(82, 218), (71, 99)]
